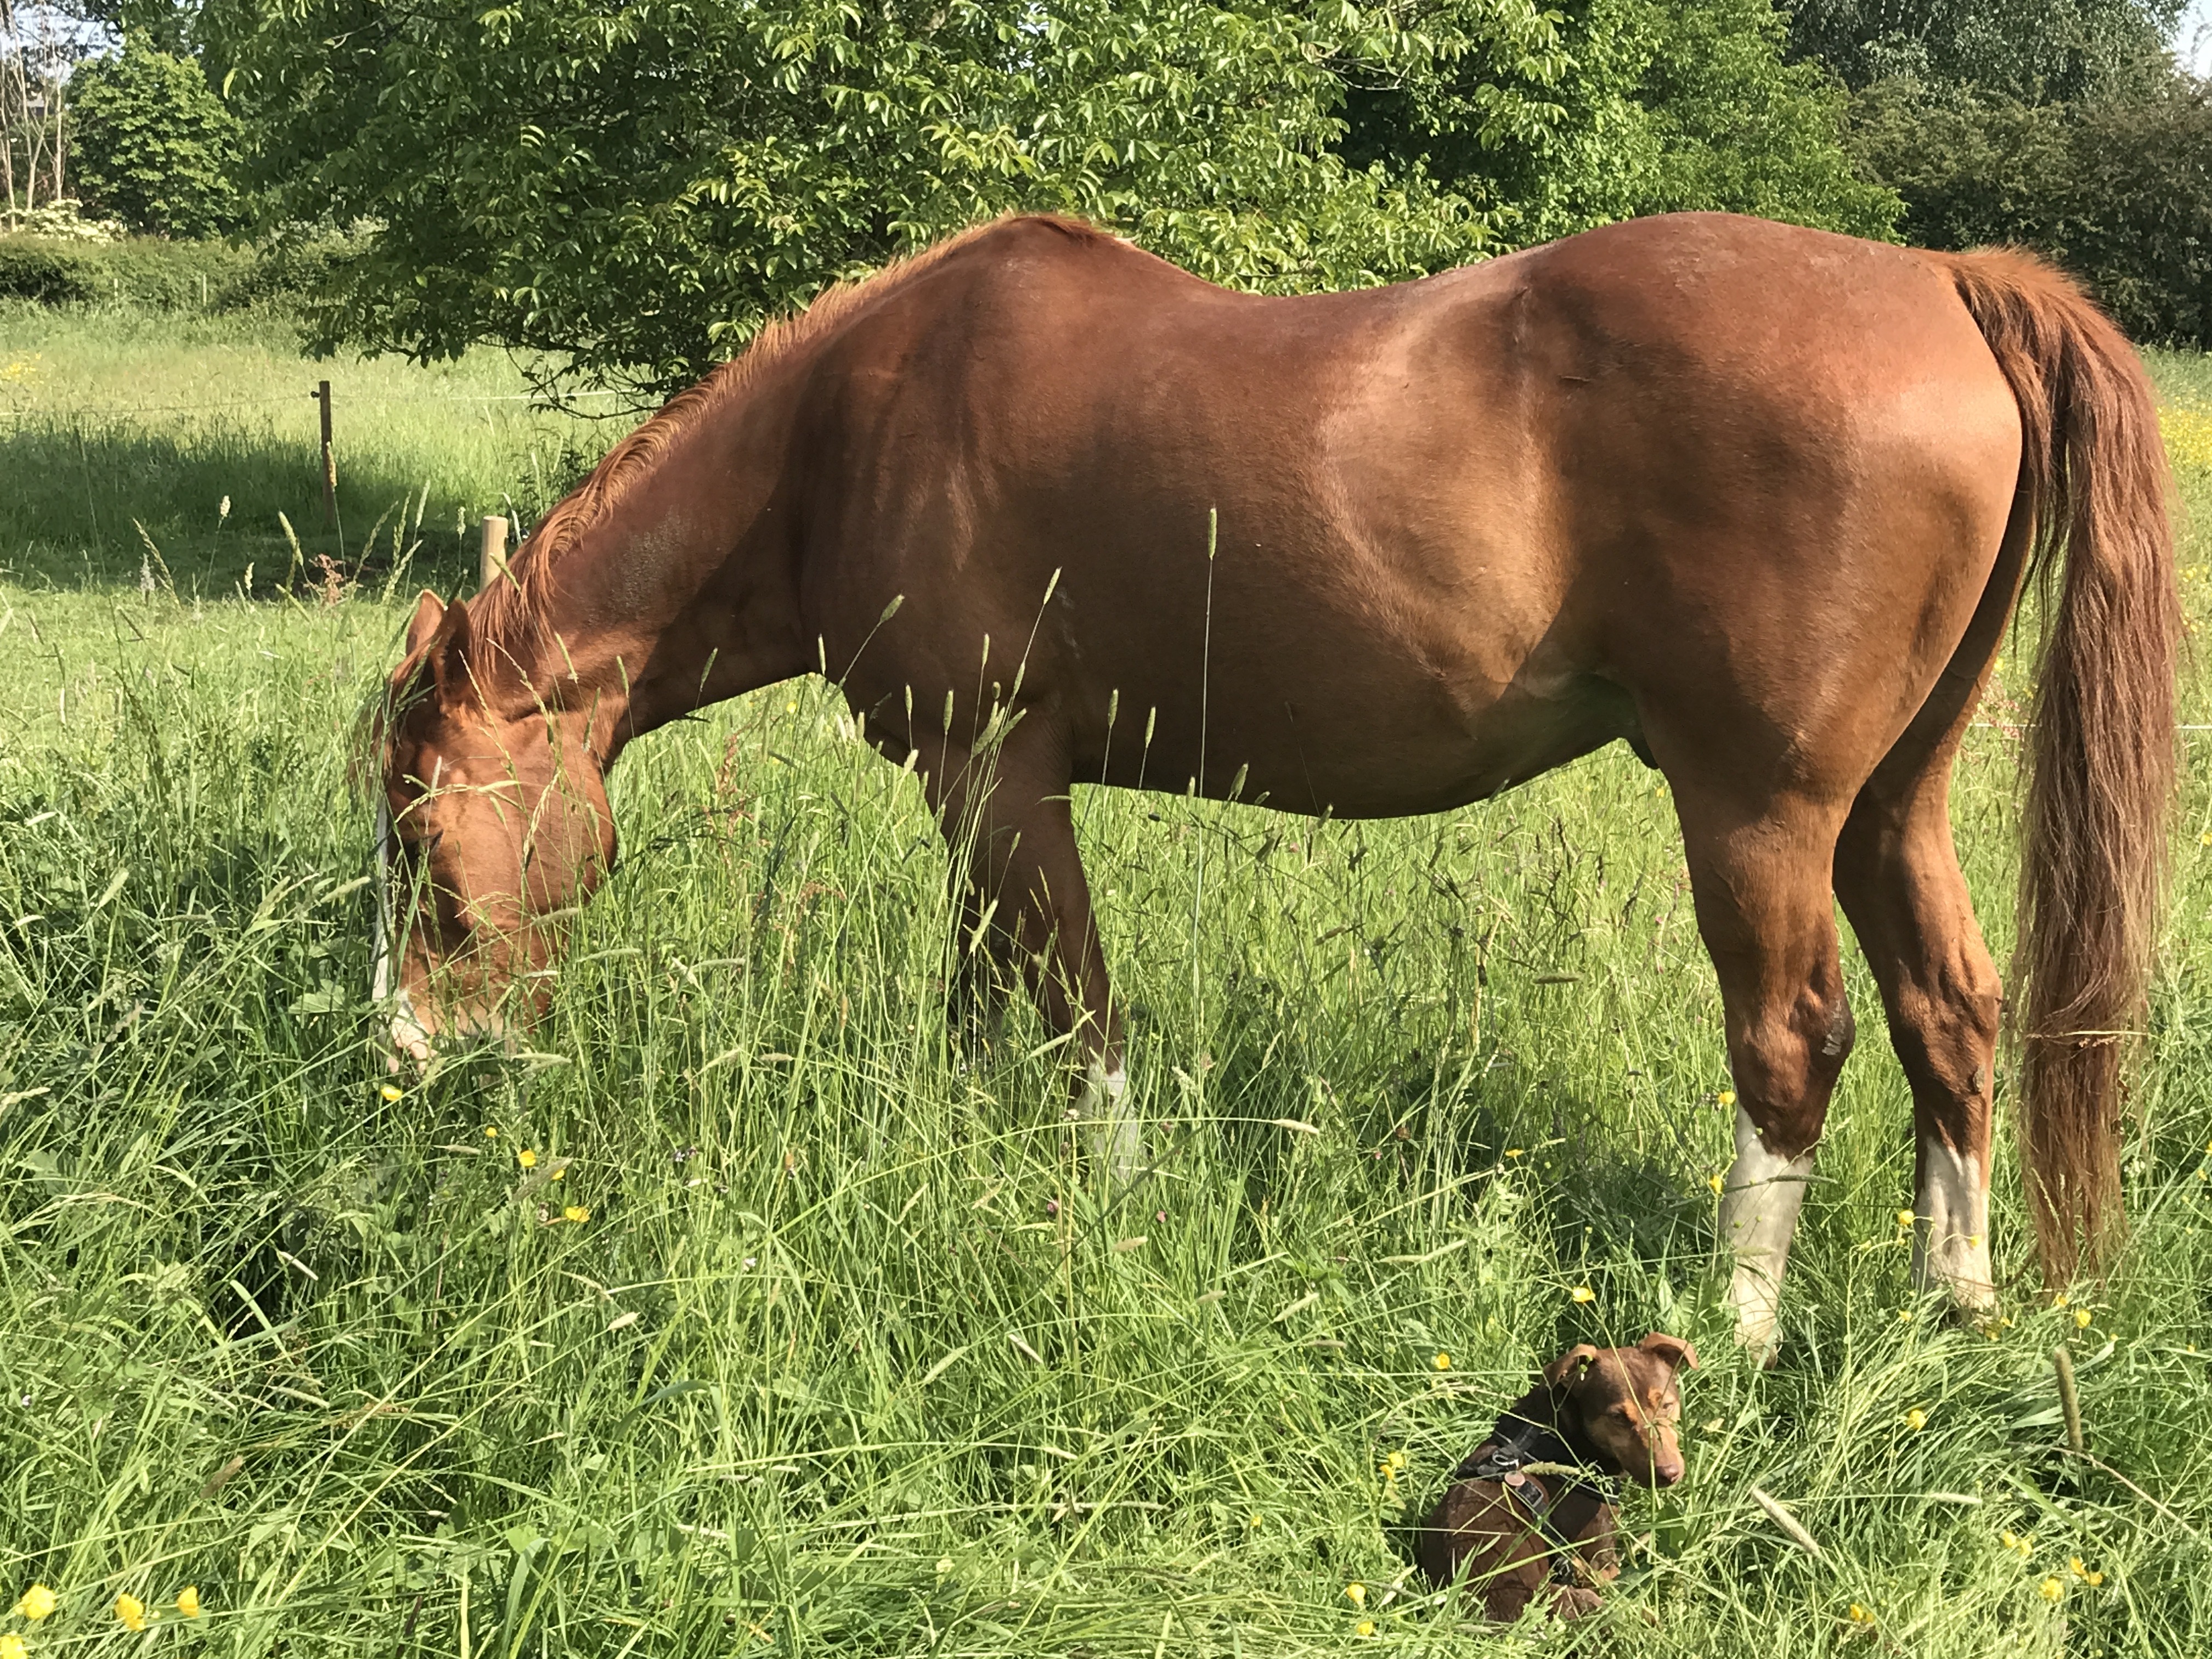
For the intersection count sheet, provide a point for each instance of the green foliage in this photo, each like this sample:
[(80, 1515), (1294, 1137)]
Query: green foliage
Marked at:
[(2062, 126), (2118, 190), (2031, 51), (46, 271), (136, 271), (1636, 106), (154, 146), (640, 188), (64, 221)]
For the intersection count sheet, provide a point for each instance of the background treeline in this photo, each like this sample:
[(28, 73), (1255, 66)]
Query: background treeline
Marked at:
[(2063, 124), (629, 190)]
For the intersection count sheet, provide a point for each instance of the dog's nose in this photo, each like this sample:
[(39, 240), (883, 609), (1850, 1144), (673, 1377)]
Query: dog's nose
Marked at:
[(1665, 1471)]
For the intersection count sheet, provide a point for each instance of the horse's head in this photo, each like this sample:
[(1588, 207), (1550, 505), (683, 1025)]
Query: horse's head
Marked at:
[(493, 826)]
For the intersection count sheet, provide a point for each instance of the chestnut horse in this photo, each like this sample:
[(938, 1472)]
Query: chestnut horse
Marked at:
[(1756, 499)]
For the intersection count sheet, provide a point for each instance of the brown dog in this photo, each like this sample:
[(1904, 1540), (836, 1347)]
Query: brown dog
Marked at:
[(1521, 1513)]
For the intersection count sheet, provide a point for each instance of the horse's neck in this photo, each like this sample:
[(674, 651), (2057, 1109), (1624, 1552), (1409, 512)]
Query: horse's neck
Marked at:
[(683, 592)]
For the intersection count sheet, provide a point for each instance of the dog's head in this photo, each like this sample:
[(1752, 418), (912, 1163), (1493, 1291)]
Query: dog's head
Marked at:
[(1626, 1402)]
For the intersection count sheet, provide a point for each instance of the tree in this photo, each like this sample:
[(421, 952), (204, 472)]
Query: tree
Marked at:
[(2060, 125), (636, 186), (154, 147), (1637, 107), (2027, 50), (2118, 191)]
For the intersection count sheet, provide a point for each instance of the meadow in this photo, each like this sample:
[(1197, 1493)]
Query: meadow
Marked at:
[(738, 1314)]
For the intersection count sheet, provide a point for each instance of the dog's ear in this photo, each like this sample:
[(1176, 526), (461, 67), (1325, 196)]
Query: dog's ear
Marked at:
[(1563, 1371), (1671, 1349)]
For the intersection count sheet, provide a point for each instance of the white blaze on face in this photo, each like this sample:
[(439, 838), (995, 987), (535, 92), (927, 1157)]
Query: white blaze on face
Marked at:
[(380, 975), (1951, 1225), (1758, 1218), (411, 1038)]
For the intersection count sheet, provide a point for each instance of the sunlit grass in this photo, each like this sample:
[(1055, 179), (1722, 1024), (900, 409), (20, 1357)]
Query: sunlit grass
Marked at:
[(845, 1356)]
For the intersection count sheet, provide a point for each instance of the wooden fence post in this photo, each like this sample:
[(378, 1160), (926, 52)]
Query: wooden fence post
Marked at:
[(322, 395), (492, 557)]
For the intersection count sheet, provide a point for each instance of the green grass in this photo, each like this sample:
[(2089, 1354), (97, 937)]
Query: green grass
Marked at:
[(119, 428), (846, 1357)]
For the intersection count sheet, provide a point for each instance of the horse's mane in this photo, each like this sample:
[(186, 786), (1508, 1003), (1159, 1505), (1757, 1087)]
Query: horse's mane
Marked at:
[(510, 606)]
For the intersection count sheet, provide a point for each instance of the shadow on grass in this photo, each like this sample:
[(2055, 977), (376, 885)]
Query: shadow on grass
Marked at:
[(79, 494)]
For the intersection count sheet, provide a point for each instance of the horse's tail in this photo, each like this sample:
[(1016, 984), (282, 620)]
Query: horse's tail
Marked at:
[(2094, 478)]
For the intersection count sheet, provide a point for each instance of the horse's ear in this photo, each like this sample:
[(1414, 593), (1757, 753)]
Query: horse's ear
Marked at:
[(1671, 1349), (429, 612), (1563, 1371), (443, 633)]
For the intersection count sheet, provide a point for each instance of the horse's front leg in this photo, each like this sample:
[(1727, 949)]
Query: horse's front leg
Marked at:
[(1006, 818)]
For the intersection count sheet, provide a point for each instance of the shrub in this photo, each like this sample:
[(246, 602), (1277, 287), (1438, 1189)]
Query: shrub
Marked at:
[(64, 221), (48, 272), (139, 271), (164, 276)]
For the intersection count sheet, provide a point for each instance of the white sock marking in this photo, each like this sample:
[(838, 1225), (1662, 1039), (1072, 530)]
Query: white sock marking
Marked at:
[(1758, 1218), (1116, 1140), (1951, 1227)]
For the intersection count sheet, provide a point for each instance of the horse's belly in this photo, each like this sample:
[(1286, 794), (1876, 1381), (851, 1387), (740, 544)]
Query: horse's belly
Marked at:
[(1378, 745)]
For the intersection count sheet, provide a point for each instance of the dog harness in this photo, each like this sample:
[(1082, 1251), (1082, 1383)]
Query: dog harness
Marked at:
[(1518, 1451)]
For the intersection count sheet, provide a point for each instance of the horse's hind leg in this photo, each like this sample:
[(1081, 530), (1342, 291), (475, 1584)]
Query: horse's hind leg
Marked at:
[(1765, 907), (1898, 875), (1897, 872)]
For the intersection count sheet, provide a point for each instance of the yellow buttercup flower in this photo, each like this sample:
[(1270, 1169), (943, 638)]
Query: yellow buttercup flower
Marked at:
[(131, 1611), (1904, 1219), (1860, 1615), (578, 1213), (2050, 1589), (527, 1159), (1364, 1627), (2081, 1318), (560, 1172), (38, 1604), (1397, 1460), (1442, 1362), (1727, 1096), (188, 1601), (1714, 1182), (1513, 1151), (11, 1647), (1916, 1419), (1581, 1293), (1358, 1592), (490, 1134), (391, 1093)]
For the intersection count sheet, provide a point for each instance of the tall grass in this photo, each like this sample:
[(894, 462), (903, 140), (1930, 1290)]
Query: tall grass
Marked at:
[(845, 1355)]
